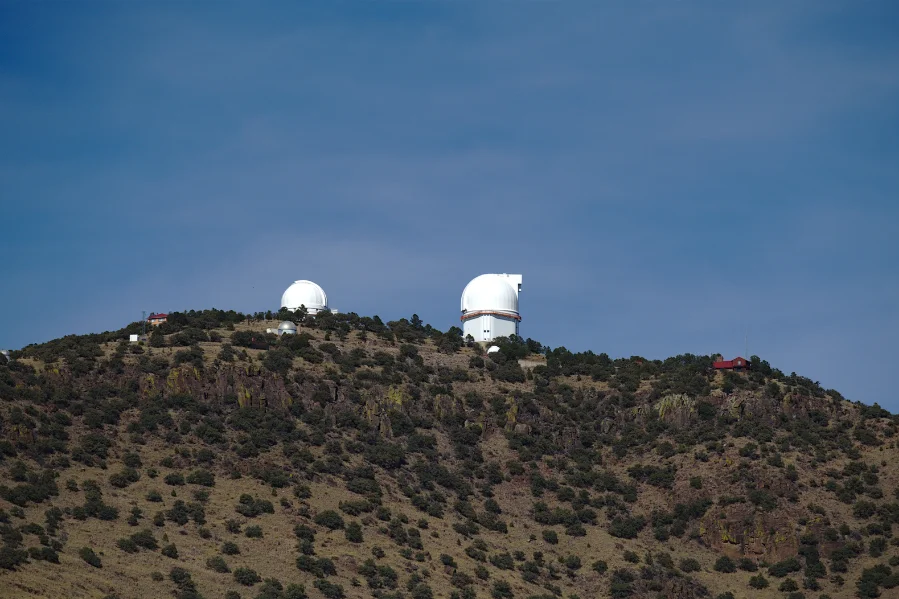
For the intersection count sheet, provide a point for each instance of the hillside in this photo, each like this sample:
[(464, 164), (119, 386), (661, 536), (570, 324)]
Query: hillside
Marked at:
[(363, 459)]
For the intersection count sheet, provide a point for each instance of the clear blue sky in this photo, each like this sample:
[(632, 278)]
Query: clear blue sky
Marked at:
[(667, 175)]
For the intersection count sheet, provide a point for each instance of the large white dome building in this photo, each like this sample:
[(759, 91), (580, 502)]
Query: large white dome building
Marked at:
[(305, 293), (490, 307)]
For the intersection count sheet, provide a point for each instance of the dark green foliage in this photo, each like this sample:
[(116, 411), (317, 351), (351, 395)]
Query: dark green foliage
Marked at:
[(329, 589), (253, 532), (38, 487), (621, 583), (329, 519), (689, 565), (354, 532), (295, 591), (501, 590), (127, 545), (657, 477), (871, 579), (175, 479), (124, 478), (187, 589), (230, 548), (278, 359), (747, 565), (145, 540), (170, 551), (725, 564), (864, 509), (627, 527), (193, 356), (217, 564), (251, 507), (763, 499), (787, 566), (503, 561), (320, 567), (386, 455), (246, 576), (201, 477)]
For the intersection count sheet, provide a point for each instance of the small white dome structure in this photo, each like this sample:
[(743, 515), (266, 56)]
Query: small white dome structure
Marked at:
[(305, 293), (287, 328), (490, 306)]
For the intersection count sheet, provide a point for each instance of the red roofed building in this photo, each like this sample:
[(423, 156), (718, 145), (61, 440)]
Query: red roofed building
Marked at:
[(157, 319), (737, 363)]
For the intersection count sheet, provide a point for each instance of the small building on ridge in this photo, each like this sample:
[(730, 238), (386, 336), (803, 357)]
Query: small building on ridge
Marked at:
[(738, 364)]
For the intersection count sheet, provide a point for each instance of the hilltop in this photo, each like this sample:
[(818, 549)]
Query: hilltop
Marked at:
[(368, 459)]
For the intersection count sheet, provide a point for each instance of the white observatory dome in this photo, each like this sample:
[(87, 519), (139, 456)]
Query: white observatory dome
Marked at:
[(305, 293), (490, 307), (492, 293)]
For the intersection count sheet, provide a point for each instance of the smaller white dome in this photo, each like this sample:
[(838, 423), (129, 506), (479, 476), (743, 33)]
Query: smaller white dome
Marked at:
[(305, 293), (287, 326), (492, 349)]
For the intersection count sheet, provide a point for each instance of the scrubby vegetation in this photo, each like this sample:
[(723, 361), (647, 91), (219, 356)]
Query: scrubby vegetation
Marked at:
[(363, 458)]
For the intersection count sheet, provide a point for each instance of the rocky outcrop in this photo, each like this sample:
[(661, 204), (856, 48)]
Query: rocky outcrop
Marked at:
[(739, 531)]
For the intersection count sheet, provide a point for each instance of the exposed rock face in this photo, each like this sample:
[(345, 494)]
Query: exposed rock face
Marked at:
[(742, 533), (523, 429), (678, 409)]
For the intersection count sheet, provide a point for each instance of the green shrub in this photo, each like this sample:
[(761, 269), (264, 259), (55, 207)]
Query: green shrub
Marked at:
[(758, 582), (864, 509), (230, 548), (295, 591), (329, 589), (170, 551), (251, 507), (353, 532), (501, 589), (88, 555), (329, 519), (503, 561), (626, 527), (550, 536), (201, 477), (782, 568), (747, 565), (725, 564), (174, 479), (217, 563), (124, 478), (689, 565), (253, 532), (246, 576)]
